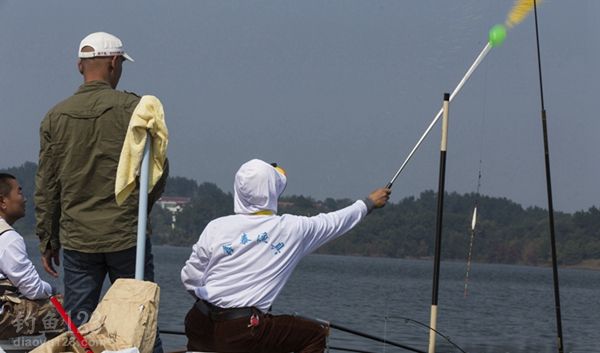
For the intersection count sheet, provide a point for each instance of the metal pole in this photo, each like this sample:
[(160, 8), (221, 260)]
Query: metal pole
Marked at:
[(438, 226), (559, 338), (140, 257)]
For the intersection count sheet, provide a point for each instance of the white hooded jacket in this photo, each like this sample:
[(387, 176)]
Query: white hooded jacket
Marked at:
[(245, 259)]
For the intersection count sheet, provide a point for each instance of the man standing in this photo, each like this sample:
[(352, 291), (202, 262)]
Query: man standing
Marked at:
[(24, 305), (81, 139), (241, 263)]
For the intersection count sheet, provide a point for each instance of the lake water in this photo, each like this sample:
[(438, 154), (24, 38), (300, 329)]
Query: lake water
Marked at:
[(509, 309)]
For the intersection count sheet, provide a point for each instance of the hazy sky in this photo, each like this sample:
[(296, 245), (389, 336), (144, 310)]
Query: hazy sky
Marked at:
[(337, 92)]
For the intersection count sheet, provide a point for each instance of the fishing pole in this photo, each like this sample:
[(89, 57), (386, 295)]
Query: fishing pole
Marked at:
[(496, 37), (559, 340), (406, 319), (371, 337), (361, 334), (357, 333), (347, 349), (338, 327), (181, 333), (462, 82), (438, 225), (172, 332)]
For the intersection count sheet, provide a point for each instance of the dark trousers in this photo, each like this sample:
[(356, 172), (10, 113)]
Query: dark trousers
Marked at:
[(274, 334), (85, 273)]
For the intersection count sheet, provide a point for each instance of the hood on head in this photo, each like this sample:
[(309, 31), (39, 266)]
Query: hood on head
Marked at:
[(257, 187)]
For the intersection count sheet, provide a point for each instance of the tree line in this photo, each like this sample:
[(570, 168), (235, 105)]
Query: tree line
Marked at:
[(505, 233)]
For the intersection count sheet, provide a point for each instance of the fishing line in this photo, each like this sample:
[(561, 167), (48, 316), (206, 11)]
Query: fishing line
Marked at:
[(361, 334), (437, 332), (465, 78), (472, 237), (385, 322), (496, 36), (478, 189)]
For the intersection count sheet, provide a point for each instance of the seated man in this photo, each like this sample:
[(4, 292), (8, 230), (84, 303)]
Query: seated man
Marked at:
[(24, 305), (241, 263)]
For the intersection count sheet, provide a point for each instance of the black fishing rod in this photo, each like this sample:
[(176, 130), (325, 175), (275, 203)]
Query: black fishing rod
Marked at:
[(337, 327), (354, 332), (438, 226), (347, 349), (180, 333), (559, 339), (371, 337), (358, 333), (172, 332), (409, 320), (406, 319)]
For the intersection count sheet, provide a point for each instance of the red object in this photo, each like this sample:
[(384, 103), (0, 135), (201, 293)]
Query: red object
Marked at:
[(71, 325), (254, 321)]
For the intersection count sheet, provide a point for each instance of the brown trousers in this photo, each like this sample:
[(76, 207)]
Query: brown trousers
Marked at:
[(28, 318), (274, 334)]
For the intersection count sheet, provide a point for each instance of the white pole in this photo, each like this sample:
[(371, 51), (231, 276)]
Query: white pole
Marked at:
[(140, 258), (470, 71)]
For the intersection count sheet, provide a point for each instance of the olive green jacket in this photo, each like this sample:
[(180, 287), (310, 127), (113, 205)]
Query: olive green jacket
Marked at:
[(80, 144)]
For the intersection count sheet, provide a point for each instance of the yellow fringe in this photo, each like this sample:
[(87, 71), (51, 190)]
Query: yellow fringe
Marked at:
[(263, 213), (520, 10)]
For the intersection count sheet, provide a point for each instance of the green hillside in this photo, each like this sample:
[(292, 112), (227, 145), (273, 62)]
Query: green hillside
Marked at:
[(507, 232)]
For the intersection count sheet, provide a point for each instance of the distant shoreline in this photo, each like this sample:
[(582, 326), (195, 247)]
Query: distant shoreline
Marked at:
[(592, 264), (589, 264)]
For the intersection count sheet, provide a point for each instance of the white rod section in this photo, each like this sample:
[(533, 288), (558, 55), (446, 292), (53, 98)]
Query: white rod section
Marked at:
[(462, 82)]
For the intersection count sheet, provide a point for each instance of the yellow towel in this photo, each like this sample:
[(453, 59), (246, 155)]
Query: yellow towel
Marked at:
[(148, 116)]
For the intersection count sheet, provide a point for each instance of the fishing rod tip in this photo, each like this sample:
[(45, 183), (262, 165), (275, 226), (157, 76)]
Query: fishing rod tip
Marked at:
[(497, 35)]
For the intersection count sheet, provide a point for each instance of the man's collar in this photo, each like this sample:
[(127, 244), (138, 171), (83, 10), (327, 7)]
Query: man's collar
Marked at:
[(93, 85)]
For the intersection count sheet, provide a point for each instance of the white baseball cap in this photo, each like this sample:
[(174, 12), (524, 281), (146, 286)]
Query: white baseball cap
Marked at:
[(104, 44)]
